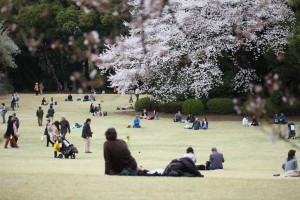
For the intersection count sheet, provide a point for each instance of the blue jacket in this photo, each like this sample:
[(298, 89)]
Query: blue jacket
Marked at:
[(136, 122)]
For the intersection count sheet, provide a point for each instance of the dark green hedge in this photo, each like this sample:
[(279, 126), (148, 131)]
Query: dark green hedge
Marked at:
[(172, 107), (288, 109), (193, 106), (270, 108), (143, 103), (220, 106)]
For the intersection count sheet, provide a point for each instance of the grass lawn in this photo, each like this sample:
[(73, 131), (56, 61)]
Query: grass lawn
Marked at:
[(31, 172)]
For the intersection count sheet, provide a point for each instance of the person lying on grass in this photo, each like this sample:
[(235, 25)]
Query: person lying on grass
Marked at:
[(117, 156)]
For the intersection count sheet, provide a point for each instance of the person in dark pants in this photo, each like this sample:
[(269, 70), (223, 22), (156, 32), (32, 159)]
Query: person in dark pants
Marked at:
[(64, 127), (48, 132), (51, 112), (9, 134), (13, 102), (40, 114), (254, 121), (36, 89)]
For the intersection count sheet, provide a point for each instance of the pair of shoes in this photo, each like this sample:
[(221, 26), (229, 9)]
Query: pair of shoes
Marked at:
[(88, 152), (128, 126), (5, 147)]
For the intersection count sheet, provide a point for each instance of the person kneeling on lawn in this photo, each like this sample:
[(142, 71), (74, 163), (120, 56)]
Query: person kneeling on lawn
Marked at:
[(117, 157), (136, 122), (282, 119)]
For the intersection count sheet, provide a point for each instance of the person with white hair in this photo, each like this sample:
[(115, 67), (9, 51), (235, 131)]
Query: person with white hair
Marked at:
[(216, 160)]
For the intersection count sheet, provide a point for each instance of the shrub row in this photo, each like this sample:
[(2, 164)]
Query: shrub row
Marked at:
[(192, 106), (215, 106)]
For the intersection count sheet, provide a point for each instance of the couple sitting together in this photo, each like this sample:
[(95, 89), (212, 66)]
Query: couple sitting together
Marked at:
[(279, 119), (197, 125), (145, 115)]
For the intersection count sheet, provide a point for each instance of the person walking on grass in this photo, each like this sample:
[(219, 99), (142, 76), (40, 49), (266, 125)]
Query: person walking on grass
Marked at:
[(9, 134), (50, 113), (13, 102), (48, 132), (40, 114), (3, 112), (17, 120), (36, 89), (41, 87), (64, 127), (87, 135), (55, 135), (17, 100)]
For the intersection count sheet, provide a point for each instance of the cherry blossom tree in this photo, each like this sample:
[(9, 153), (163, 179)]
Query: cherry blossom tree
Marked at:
[(173, 51)]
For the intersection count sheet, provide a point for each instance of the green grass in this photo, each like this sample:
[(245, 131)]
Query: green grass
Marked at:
[(31, 172)]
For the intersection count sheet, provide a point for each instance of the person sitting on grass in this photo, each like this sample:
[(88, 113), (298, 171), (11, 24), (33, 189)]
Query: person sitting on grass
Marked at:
[(254, 121), (92, 98), (70, 98), (282, 119), (196, 125), (136, 122), (190, 118), (290, 166), (216, 160), (245, 122), (204, 124), (117, 157), (44, 102), (276, 119), (155, 115), (144, 114), (52, 102), (86, 97), (190, 154), (178, 117)]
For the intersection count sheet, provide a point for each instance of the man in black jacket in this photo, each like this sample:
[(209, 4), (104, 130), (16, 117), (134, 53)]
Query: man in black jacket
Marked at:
[(87, 135), (64, 126)]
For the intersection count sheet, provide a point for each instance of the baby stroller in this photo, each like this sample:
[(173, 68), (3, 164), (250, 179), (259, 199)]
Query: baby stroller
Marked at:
[(291, 131), (67, 149)]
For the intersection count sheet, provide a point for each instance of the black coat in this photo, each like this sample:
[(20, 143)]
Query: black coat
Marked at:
[(10, 127), (86, 131)]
